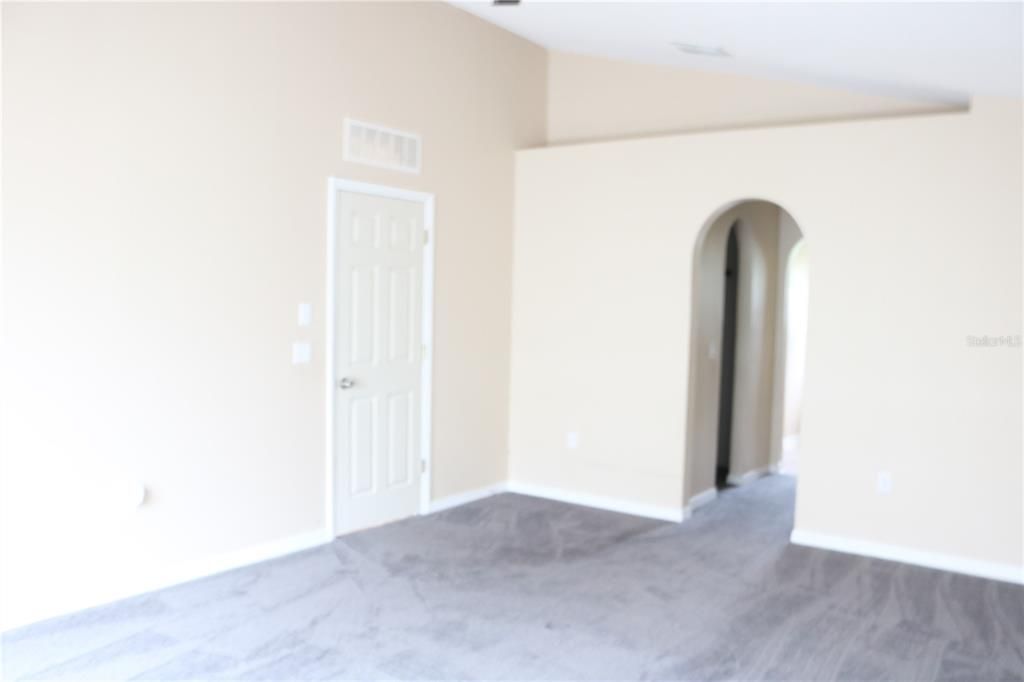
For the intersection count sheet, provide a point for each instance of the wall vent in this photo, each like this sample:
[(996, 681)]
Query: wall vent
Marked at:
[(375, 145)]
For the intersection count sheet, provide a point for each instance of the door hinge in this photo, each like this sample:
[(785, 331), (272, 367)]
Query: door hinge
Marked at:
[(423, 466), (426, 237)]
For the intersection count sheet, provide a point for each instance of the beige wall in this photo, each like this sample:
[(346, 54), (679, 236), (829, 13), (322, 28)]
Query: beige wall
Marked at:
[(755, 345), (913, 227), (790, 351), (796, 292), (599, 99), (757, 232), (165, 173)]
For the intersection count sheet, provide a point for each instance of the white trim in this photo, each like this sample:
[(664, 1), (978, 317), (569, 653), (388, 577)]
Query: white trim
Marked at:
[(329, 371), (944, 562), (459, 499), (427, 366), (335, 185), (163, 577), (780, 469), (748, 477), (701, 499), (674, 514)]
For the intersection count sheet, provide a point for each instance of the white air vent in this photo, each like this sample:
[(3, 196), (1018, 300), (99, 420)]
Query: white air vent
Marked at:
[(376, 145)]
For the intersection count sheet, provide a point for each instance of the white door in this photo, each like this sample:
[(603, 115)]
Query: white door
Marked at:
[(378, 356)]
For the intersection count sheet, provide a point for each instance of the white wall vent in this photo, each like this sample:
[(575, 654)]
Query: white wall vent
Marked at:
[(376, 145)]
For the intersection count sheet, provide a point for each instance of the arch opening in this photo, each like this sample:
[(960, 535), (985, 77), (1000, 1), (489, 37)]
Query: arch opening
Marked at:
[(747, 349)]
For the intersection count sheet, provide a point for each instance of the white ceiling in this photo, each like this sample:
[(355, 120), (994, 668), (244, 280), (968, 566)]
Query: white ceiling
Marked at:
[(928, 50)]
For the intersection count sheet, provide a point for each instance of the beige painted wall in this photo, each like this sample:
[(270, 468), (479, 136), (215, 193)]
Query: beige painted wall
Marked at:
[(757, 238), (165, 170), (790, 353), (755, 345), (914, 230), (796, 292), (598, 99)]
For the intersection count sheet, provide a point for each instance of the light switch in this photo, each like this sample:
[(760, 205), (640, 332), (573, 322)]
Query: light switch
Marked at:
[(301, 353), (883, 485), (136, 494), (572, 440), (305, 314)]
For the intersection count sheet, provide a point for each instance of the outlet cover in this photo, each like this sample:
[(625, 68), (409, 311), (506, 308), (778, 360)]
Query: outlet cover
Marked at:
[(305, 315), (301, 353)]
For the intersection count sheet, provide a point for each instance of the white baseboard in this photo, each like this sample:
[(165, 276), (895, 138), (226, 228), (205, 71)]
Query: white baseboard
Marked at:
[(783, 468), (945, 562), (748, 477), (674, 514), (120, 587), (700, 499), (466, 497)]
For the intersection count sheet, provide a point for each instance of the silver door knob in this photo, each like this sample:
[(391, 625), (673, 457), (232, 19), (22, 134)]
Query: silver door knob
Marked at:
[(346, 383)]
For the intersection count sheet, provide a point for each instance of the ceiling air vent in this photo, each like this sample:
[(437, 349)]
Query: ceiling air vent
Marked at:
[(376, 145)]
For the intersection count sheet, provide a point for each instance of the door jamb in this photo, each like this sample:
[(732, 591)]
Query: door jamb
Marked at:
[(335, 185)]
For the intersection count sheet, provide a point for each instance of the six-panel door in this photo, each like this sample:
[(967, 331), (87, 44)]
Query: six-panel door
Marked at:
[(378, 353)]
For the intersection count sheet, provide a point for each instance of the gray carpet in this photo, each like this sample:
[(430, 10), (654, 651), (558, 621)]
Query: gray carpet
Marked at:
[(519, 588)]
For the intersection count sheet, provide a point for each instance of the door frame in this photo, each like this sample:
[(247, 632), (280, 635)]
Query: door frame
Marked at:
[(335, 185)]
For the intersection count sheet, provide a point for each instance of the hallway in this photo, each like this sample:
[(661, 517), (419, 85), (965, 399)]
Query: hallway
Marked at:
[(518, 587)]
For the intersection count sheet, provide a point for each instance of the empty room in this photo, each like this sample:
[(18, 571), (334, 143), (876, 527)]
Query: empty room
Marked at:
[(511, 341)]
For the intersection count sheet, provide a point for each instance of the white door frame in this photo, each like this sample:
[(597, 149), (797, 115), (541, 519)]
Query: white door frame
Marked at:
[(335, 185)]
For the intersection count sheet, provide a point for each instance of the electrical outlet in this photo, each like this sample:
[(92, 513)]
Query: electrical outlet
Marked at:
[(301, 353), (305, 314), (883, 485)]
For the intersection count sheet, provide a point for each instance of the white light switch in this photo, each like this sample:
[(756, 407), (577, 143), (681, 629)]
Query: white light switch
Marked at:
[(301, 353), (305, 314), (136, 494), (572, 440), (883, 486)]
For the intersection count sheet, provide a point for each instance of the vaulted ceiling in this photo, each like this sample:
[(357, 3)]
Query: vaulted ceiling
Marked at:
[(943, 52)]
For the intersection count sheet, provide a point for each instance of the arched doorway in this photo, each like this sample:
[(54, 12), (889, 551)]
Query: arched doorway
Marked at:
[(747, 345)]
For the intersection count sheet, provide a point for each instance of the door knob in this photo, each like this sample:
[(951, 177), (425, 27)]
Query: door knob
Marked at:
[(346, 383)]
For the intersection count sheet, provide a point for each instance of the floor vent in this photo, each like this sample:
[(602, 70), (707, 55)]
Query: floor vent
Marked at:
[(376, 145)]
